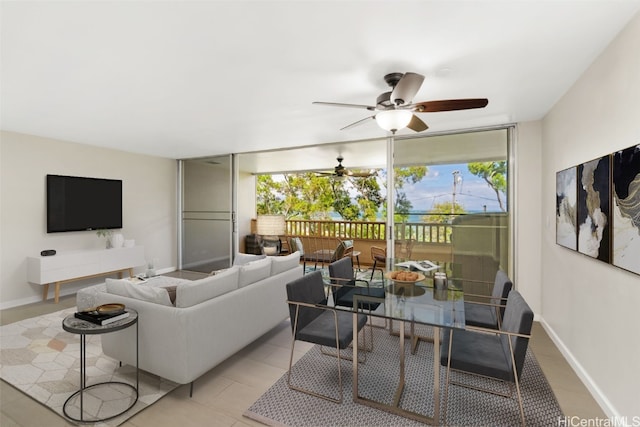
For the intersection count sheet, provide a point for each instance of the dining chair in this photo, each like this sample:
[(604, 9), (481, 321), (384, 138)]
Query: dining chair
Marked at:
[(489, 314), (313, 321), (379, 257), (345, 287), (495, 354)]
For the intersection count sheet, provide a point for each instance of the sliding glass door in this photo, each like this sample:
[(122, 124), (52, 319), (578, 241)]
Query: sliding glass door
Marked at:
[(206, 214), (452, 205)]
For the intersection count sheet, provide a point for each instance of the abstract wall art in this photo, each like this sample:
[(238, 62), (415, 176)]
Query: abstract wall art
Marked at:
[(626, 209), (593, 209), (598, 208), (566, 215)]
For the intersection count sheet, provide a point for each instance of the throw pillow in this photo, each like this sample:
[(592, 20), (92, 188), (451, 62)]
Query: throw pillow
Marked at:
[(188, 294), (284, 263), (254, 271), (242, 259), (171, 290), (144, 293)]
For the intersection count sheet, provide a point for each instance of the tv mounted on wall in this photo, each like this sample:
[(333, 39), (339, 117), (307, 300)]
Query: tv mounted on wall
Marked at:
[(76, 203)]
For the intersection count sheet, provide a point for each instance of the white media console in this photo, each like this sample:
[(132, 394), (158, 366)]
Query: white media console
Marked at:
[(70, 266)]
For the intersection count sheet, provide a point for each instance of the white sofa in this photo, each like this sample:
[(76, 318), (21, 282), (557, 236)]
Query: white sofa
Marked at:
[(212, 318)]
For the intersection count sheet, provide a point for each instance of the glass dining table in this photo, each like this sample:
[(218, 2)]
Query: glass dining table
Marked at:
[(418, 302)]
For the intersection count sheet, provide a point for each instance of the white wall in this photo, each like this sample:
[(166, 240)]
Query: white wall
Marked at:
[(591, 307), (149, 206), (246, 206), (528, 163)]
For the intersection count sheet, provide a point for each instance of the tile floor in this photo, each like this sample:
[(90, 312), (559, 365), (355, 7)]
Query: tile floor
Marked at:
[(222, 395)]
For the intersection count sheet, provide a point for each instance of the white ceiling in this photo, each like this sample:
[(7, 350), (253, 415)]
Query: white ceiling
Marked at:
[(184, 79)]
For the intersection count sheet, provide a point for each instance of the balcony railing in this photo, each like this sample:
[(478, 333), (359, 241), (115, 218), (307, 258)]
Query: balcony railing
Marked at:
[(434, 233)]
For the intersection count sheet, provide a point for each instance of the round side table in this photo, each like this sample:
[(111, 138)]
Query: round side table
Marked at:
[(83, 328)]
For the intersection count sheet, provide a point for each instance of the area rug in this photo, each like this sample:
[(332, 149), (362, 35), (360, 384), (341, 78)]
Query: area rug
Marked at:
[(42, 360), (378, 378)]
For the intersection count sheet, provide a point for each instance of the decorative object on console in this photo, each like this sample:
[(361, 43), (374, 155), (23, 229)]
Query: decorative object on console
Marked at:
[(117, 240), (151, 268), (103, 232), (48, 252), (270, 227), (129, 243)]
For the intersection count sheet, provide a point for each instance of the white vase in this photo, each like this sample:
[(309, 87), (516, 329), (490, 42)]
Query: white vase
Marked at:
[(117, 240)]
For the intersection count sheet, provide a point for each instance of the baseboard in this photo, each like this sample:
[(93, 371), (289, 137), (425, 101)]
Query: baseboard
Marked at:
[(586, 379)]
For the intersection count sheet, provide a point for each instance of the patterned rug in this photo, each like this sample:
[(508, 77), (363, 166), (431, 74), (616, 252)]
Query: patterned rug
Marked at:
[(378, 378), (42, 360)]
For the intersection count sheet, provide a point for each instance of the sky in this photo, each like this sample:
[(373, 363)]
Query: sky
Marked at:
[(437, 187)]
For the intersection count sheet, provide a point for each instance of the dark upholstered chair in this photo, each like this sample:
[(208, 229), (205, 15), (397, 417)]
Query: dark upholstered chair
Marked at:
[(379, 257), (315, 322), (341, 275), (489, 313), (497, 354)]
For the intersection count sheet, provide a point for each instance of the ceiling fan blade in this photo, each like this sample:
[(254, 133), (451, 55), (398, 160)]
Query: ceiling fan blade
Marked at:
[(359, 122), (450, 105), (361, 174), (339, 104), (406, 88), (416, 124)]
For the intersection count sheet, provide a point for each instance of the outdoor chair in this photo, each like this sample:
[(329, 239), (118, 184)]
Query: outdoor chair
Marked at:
[(295, 244), (489, 314), (379, 257), (327, 256), (496, 354), (313, 321)]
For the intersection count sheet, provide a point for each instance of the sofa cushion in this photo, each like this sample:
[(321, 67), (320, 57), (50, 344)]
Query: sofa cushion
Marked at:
[(284, 263), (242, 259), (145, 293), (254, 271), (188, 294)]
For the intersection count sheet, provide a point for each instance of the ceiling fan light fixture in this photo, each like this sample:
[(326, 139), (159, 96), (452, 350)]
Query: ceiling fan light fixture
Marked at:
[(394, 120)]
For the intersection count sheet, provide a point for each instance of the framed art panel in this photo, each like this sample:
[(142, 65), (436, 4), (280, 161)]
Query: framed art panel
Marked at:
[(566, 199), (593, 209), (626, 209)]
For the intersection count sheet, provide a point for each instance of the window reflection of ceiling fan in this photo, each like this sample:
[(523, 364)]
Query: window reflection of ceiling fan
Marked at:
[(395, 109), (341, 172)]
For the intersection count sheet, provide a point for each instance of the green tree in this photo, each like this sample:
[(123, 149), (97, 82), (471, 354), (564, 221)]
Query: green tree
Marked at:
[(309, 196), (494, 174), (441, 212), (402, 176)]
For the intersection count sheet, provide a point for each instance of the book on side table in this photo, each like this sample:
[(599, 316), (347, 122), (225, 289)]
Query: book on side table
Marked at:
[(104, 314)]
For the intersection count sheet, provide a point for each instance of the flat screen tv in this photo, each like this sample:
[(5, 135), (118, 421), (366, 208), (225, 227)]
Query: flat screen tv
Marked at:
[(75, 203)]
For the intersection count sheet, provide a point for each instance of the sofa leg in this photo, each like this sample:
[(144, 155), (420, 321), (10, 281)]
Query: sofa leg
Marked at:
[(191, 389)]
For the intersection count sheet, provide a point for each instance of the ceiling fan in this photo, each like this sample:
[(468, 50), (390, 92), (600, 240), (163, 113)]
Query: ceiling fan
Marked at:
[(341, 172), (395, 109)]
